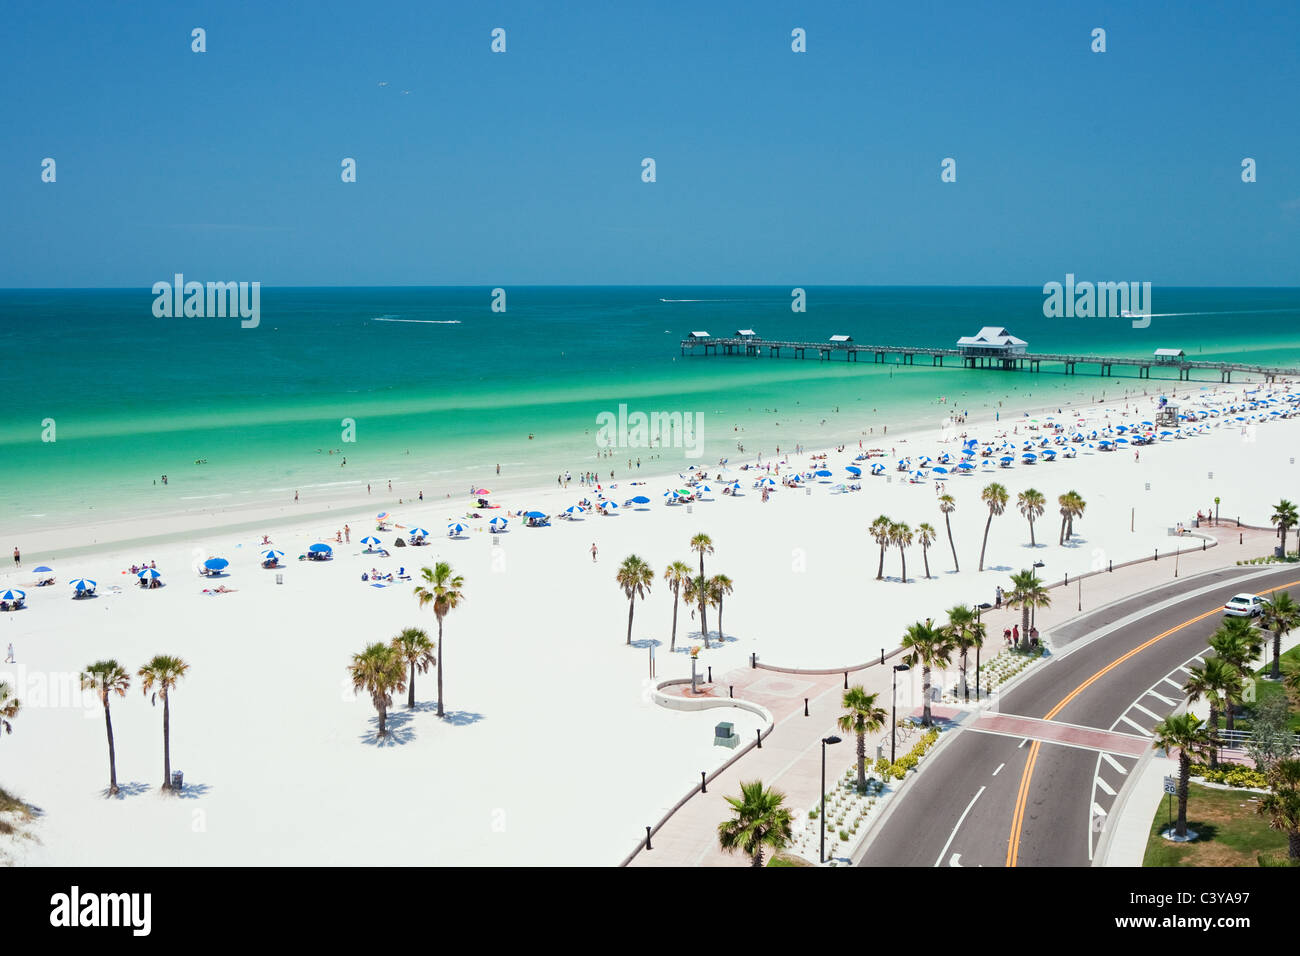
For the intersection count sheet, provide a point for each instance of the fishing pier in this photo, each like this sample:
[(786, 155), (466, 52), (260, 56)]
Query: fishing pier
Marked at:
[(991, 347)]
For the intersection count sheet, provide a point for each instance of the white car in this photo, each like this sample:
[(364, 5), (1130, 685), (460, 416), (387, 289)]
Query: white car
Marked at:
[(1245, 605)]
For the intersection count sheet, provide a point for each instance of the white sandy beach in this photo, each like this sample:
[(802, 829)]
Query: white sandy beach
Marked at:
[(553, 752)]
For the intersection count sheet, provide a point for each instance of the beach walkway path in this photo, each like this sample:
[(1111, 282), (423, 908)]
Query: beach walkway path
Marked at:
[(790, 758)]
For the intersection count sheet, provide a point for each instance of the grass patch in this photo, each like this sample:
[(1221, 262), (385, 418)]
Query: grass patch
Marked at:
[(1230, 834), (782, 859)]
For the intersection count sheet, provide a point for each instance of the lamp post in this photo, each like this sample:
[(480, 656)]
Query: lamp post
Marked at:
[(893, 712), (821, 851)]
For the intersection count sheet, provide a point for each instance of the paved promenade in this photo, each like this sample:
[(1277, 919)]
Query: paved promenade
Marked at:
[(790, 758)]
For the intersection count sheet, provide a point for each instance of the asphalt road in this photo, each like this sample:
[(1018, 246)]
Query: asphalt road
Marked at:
[(992, 799)]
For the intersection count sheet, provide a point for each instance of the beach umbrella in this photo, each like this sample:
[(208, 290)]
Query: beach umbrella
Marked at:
[(13, 595), (1121, 441), (607, 506), (1006, 459), (966, 466), (371, 541), (382, 516), (823, 473), (270, 554), (534, 514), (1029, 457), (1165, 434), (319, 548), (853, 470), (216, 564), (735, 486), (939, 470), (640, 500), (500, 523), (1148, 423), (671, 494), (918, 475), (151, 573), (418, 533), (456, 529), (481, 491), (43, 569), (703, 488), (82, 584), (765, 481)]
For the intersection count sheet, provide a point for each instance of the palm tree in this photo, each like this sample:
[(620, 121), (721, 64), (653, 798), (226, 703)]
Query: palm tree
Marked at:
[(965, 631), (635, 578), (164, 671), (676, 575), (1028, 592), (1279, 617), (926, 645), (1186, 734), (1238, 644), (1076, 507), (443, 589), (9, 707), (995, 496), (1066, 509), (1219, 682), (1284, 516), (413, 647), (719, 587), (761, 819), (696, 592), (925, 535), (703, 544), (901, 535), (1291, 676), (1282, 803), (880, 531), (1031, 504), (379, 670), (948, 504), (107, 677), (861, 717)]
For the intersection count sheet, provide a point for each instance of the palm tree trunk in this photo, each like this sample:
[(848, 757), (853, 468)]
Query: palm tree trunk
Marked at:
[(704, 619), (1293, 844), (1227, 712), (631, 606), (1184, 773), (903, 555), (1024, 626), (925, 556), (383, 717), (880, 571), (862, 761), (672, 646), (948, 525), (1061, 539), (719, 618), (758, 856), (112, 754), (167, 744), (410, 696), (1069, 528), (1277, 652), (1214, 731), (925, 692), (439, 667), (965, 689), (988, 524), (1032, 542)]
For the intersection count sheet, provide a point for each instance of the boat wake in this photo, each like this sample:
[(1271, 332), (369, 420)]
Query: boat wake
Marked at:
[(390, 318)]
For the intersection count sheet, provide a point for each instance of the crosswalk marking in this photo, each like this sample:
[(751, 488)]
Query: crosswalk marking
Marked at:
[(1162, 698), (1150, 713), (1173, 683), (1130, 721), (1097, 811), (1105, 787), (1115, 764)]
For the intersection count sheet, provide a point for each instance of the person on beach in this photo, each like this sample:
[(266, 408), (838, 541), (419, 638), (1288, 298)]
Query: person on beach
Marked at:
[(347, 535), (1015, 634), (18, 559), (593, 552), (498, 469), (295, 494), (10, 658)]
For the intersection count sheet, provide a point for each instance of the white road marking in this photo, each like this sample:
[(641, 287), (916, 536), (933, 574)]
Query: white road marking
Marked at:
[(1129, 720), (1150, 713), (1185, 670), (960, 821), (1173, 683), (1098, 811), (1115, 764), (1163, 699), (1022, 743), (1105, 787), (955, 858), (1000, 766)]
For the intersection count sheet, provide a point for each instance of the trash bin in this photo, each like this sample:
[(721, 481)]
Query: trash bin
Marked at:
[(178, 780), (279, 579)]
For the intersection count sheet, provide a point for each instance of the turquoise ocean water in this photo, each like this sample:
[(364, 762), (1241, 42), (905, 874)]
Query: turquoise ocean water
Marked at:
[(441, 388)]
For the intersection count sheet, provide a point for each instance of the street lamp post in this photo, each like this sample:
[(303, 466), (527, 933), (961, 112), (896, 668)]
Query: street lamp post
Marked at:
[(821, 851), (893, 712)]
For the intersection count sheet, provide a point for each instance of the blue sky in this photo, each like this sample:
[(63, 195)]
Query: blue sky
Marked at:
[(773, 167)]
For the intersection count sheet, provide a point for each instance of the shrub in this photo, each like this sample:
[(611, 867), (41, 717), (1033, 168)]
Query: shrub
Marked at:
[(1232, 776)]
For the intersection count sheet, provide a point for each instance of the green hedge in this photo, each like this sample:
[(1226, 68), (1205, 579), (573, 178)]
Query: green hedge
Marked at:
[(1233, 776)]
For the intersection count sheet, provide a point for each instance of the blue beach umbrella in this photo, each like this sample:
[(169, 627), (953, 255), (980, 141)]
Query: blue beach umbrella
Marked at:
[(534, 514), (500, 523), (370, 540), (270, 554), (918, 475), (319, 548), (1028, 457), (1006, 459), (454, 530), (640, 500), (216, 564), (151, 573), (43, 569), (418, 533), (823, 473), (939, 470), (13, 595), (965, 466), (82, 584), (853, 470), (607, 506)]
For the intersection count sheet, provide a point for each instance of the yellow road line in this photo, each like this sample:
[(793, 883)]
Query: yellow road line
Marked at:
[(1018, 813)]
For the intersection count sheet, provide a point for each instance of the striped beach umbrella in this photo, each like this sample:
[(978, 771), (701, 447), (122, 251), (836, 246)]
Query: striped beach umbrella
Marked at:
[(13, 595), (500, 523), (150, 573), (82, 584)]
